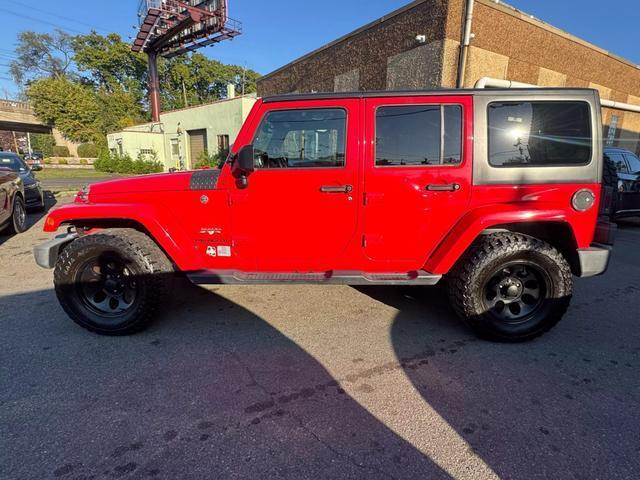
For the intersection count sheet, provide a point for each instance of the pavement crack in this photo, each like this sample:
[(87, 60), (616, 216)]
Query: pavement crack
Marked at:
[(335, 451)]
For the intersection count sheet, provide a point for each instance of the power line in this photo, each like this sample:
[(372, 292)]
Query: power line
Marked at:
[(62, 17), (34, 19)]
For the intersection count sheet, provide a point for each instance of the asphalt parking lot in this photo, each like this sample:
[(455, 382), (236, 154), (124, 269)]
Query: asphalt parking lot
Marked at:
[(306, 382)]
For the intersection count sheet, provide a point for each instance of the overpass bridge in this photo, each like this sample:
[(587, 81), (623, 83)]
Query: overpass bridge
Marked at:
[(19, 117)]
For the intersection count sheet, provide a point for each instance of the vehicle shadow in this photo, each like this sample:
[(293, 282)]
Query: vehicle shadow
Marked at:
[(33, 217), (209, 391), (558, 407)]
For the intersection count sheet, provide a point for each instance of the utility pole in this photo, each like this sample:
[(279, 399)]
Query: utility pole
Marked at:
[(29, 143), (154, 87), (15, 141)]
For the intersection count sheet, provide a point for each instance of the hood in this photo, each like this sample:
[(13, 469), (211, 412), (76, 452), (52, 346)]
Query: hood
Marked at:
[(161, 182), (27, 178)]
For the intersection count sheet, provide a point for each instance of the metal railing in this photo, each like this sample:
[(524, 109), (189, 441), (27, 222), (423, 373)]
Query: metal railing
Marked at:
[(7, 104)]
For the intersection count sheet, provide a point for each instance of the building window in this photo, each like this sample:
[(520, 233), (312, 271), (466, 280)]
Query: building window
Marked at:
[(223, 145), (418, 135), (538, 134), (313, 138), (175, 147), (147, 151)]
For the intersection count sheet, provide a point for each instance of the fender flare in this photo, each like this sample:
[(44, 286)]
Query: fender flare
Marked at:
[(154, 219), (474, 223)]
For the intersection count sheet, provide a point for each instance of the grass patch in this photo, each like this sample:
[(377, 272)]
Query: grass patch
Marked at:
[(53, 173)]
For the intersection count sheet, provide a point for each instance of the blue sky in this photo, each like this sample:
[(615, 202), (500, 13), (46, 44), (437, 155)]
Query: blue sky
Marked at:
[(277, 32)]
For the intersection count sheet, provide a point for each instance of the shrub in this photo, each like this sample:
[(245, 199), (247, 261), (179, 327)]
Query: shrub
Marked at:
[(84, 161), (63, 161), (88, 150), (43, 142), (61, 151), (48, 161), (209, 160), (111, 163)]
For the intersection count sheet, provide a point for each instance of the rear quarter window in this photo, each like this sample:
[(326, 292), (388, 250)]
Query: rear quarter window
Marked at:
[(539, 134)]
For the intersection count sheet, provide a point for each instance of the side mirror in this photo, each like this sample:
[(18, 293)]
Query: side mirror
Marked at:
[(243, 165)]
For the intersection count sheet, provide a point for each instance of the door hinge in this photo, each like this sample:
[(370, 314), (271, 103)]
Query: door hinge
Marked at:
[(364, 241), (364, 199)]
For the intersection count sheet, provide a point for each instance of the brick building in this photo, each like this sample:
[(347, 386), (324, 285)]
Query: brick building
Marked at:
[(418, 47)]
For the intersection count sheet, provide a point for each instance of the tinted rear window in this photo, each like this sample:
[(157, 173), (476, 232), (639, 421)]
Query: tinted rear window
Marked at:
[(418, 135), (538, 134)]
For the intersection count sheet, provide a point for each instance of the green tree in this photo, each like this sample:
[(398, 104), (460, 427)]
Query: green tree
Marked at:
[(43, 142), (110, 64), (72, 107), (42, 55)]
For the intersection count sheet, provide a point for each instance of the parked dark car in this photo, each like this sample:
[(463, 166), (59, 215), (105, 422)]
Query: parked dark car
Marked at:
[(33, 193), (13, 213), (35, 160), (623, 174)]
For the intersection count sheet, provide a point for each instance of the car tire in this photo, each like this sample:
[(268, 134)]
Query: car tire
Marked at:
[(112, 282), (18, 223), (510, 287)]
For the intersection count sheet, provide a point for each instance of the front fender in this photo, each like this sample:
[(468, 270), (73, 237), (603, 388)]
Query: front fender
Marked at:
[(157, 221), (475, 222)]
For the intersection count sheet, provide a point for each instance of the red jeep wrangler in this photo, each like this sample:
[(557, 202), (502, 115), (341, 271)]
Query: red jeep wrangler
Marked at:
[(496, 190)]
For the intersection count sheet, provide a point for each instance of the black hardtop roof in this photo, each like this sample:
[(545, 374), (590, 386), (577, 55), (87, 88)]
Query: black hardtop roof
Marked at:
[(290, 97)]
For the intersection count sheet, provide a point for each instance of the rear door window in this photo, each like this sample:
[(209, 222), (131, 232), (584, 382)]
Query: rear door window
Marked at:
[(539, 134), (418, 135)]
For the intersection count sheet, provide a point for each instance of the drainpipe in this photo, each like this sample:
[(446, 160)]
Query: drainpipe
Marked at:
[(485, 82), (466, 40), (488, 82)]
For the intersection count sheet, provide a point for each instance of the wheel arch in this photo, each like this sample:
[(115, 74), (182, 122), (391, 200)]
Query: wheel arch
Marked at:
[(160, 228), (551, 226)]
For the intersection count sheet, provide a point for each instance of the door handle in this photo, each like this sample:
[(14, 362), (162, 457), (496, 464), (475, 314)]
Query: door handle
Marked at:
[(336, 189), (451, 187)]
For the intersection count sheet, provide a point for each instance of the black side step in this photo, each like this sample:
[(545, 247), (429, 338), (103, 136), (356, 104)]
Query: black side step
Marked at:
[(234, 277)]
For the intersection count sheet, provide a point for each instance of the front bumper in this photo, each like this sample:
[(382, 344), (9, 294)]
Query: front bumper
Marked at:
[(34, 196), (46, 254)]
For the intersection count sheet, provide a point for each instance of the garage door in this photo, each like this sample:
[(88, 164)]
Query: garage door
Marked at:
[(197, 144)]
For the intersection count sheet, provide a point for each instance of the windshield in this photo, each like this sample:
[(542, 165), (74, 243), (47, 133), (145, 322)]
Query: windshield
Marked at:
[(12, 162)]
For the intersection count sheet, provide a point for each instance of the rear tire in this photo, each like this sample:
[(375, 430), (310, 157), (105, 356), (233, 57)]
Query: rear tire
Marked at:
[(510, 287), (112, 282), (18, 223)]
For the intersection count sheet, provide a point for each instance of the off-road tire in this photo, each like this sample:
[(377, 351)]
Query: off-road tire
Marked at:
[(151, 269), (18, 224), (469, 279)]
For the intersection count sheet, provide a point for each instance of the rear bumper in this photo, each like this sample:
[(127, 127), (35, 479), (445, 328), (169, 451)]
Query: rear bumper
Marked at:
[(47, 253), (594, 260)]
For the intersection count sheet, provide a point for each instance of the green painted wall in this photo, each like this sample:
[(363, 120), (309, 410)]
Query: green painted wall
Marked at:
[(220, 118)]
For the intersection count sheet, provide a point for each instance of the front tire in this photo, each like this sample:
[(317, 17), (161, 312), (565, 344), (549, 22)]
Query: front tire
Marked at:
[(112, 282), (511, 287)]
